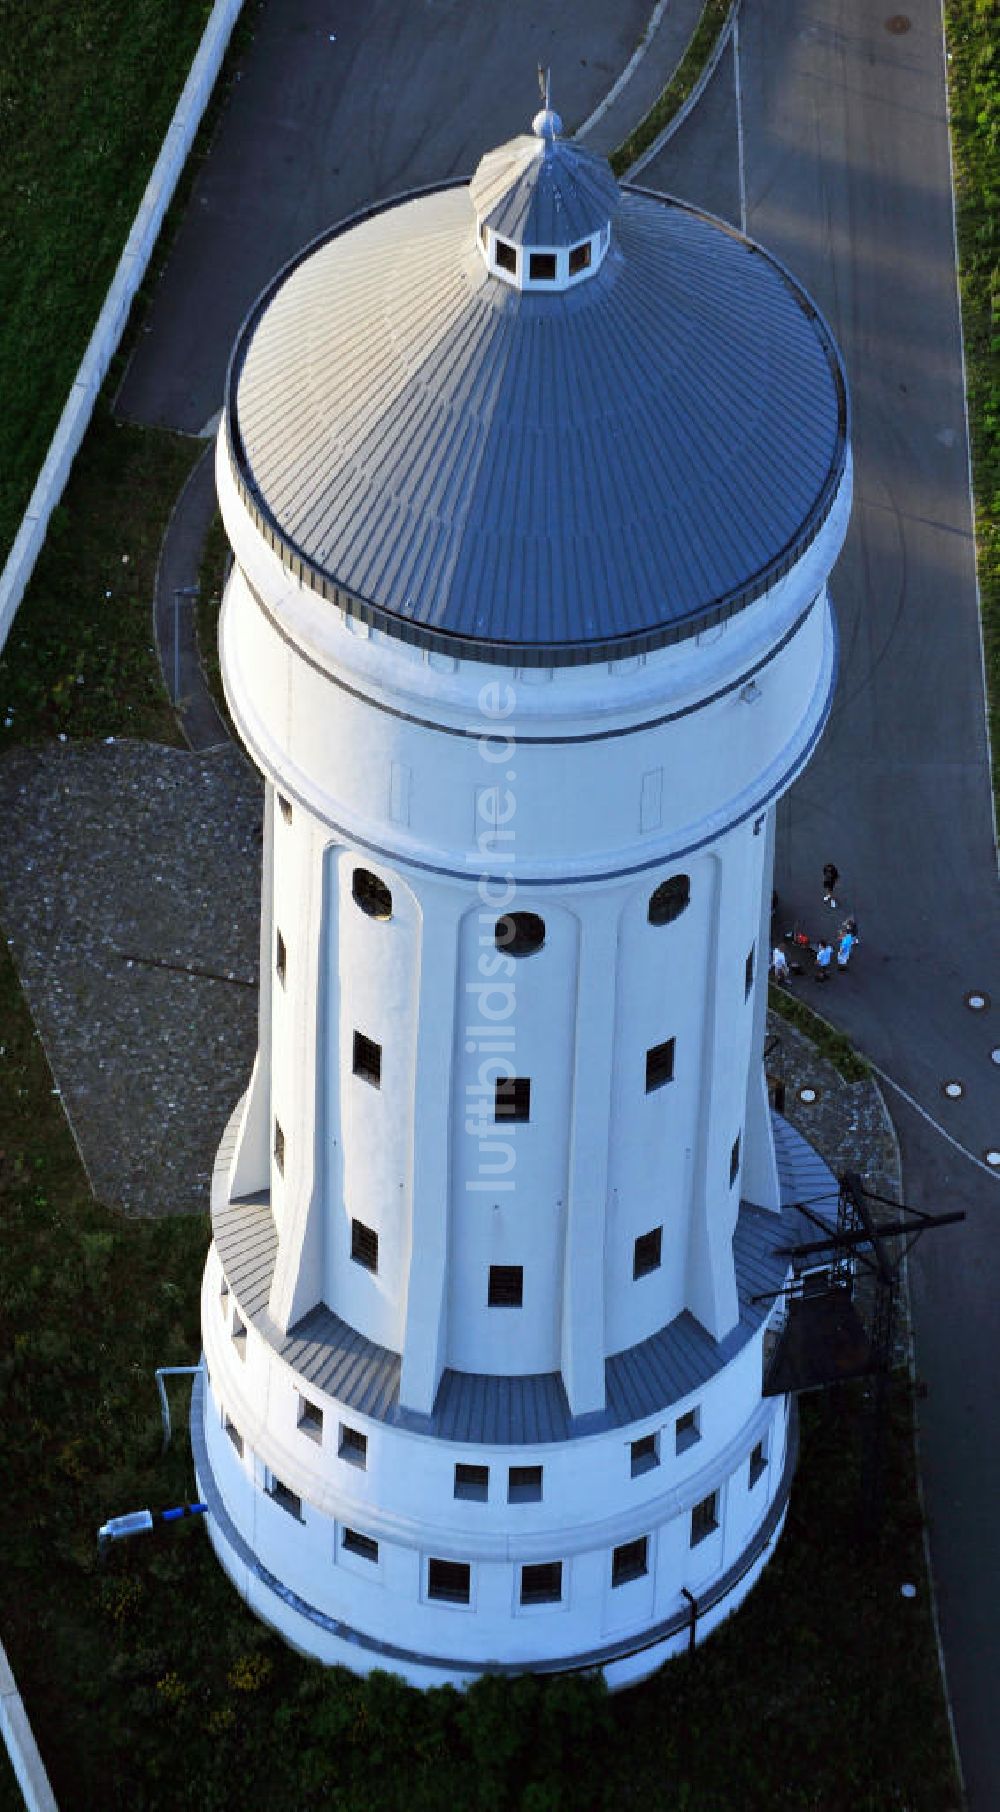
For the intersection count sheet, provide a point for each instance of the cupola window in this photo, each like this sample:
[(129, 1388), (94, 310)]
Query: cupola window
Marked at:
[(579, 258), (505, 255), (542, 267)]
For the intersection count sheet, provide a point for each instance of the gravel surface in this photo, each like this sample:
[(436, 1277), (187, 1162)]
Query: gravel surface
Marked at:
[(129, 893)]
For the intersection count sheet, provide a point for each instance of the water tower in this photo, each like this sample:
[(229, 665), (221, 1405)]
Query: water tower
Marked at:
[(533, 487)]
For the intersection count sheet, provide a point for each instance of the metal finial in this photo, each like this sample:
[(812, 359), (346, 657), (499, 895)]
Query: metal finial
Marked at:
[(546, 124)]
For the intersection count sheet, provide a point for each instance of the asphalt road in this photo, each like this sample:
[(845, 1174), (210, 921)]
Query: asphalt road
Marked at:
[(846, 176), (337, 106)]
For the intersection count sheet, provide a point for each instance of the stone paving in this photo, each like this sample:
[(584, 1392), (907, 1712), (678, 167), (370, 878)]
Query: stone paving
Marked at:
[(129, 893)]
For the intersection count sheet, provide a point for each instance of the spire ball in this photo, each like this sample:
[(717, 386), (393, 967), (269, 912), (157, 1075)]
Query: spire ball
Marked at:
[(547, 124)]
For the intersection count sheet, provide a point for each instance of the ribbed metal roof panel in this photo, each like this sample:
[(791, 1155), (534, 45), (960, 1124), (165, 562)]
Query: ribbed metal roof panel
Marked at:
[(544, 191), (537, 477)]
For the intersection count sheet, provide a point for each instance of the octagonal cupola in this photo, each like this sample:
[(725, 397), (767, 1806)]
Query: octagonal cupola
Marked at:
[(544, 208)]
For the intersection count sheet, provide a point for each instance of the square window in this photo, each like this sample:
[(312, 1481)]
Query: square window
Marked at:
[(368, 1059), (505, 255), (364, 1245), (748, 974), (280, 958), (513, 1098), (646, 1256), (279, 1147), (524, 1485), (310, 1418), (234, 1434), (239, 1336), (688, 1430), (353, 1446), (660, 1065), (450, 1580), (542, 267), (629, 1561), (286, 808), (542, 1584), (758, 1464), (734, 1161), (362, 1545), (506, 1289), (473, 1483), (579, 258), (281, 1494), (645, 1454), (704, 1518)]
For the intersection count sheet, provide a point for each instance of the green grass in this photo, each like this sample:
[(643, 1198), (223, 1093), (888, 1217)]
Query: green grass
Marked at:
[(80, 659), (706, 33), (973, 36), (831, 1044), (150, 1687), (86, 93)]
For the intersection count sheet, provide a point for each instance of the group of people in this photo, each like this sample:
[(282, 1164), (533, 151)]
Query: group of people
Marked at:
[(822, 949)]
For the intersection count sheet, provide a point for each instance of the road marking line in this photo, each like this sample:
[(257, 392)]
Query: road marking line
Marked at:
[(924, 1115), (652, 27)]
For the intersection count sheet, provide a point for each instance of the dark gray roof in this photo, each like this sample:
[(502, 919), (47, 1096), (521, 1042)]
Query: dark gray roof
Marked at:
[(479, 1408), (539, 190), (536, 478)]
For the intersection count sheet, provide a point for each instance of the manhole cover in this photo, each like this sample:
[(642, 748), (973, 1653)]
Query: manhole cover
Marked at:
[(808, 1095), (953, 1090), (977, 1001), (898, 24), (992, 1157)]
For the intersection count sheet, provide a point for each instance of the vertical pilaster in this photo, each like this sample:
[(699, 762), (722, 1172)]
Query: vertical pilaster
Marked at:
[(711, 1272), (760, 1170), (250, 1173), (430, 1181), (296, 1286), (582, 1343)]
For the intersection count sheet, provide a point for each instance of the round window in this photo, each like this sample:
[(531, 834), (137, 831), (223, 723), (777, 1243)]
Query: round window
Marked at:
[(670, 899), (520, 933), (371, 894)]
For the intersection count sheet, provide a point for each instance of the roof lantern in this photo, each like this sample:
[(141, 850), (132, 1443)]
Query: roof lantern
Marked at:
[(544, 208)]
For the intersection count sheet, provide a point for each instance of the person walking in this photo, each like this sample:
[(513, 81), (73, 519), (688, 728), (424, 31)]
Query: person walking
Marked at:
[(824, 957), (831, 875), (779, 965), (848, 939)]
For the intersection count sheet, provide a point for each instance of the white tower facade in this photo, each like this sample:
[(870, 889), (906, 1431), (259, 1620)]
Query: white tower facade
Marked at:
[(533, 488)]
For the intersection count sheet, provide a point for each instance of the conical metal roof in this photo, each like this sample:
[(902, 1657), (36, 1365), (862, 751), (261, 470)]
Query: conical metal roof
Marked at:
[(536, 479), (543, 190)]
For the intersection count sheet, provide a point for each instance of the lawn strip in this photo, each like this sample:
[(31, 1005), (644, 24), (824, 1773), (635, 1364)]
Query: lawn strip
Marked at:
[(680, 86), (831, 1044), (973, 39)]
